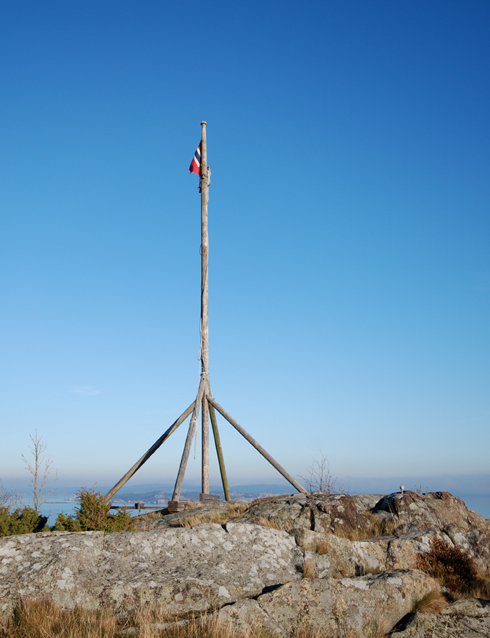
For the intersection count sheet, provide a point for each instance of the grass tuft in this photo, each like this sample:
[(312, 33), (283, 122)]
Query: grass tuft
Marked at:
[(432, 603), (190, 505), (376, 528), (265, 499), (268, 522), (219, 517), (321, 546), (309, 569)]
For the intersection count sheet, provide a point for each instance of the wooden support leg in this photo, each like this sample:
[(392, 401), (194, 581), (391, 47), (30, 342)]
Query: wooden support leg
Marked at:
[(205, 445), (147, 454), (188, 441), (219, 452), (258, 447)]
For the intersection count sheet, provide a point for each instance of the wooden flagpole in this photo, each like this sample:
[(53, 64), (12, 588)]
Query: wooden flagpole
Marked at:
[(205, 175), (204, 397)]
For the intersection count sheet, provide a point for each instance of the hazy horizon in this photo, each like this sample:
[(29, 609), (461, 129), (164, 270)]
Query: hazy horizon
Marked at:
[(473, 490), (463, 484)]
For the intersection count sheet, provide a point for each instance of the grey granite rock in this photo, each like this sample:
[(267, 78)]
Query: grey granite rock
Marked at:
[(317, 511), (364, 606), (356, 558), (180, 570), (468, 618), (251, 573), (443, 512)]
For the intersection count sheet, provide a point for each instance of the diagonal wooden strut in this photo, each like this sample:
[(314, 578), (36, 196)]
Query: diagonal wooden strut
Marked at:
[(256, 445), (219, 451), (190, 435), (147, 454), (205, 446)]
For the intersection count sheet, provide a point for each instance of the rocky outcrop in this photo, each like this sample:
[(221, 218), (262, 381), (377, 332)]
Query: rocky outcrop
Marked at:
[(468, 618), (331, 556), (363, 606), (183, 570), (438, 513), (443, 512), (303, 561), (335, 513)]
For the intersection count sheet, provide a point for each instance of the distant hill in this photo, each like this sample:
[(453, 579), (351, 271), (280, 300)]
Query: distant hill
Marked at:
[(161, 494)]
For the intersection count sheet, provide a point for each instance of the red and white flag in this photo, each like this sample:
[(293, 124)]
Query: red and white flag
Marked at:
[(195, 166)]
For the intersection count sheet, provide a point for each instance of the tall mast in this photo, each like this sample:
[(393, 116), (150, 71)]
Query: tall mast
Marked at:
[(204, 308), (204, 397)]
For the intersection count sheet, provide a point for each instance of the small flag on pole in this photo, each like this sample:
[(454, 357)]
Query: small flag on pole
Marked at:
[(195, 166)]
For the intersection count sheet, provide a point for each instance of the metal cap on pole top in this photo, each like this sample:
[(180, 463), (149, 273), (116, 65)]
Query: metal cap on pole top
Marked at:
[(204, 398)]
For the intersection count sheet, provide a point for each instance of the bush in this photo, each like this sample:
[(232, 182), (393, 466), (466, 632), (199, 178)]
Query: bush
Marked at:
[(93, 515), (451, 566), (21, 521)]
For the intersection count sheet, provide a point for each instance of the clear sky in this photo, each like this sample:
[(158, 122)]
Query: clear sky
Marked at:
[(349, 224)]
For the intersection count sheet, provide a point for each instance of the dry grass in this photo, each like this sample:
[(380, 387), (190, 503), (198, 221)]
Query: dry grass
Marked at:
[(321, 546), (432, 603), (482, 589), (267, 498), (191, 520), (189, 505), (233, 511), (148, 517), (43, 619), (268, 522), (330, 632), (376, 529), (309, 569), (238, 508)]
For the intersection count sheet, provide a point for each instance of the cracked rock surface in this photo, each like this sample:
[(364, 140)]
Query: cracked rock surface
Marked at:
[(363, 605), (319, 512), (183, 570)]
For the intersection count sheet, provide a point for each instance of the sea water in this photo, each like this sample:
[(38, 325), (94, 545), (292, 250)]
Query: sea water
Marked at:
[(480, 504), (52, 509)]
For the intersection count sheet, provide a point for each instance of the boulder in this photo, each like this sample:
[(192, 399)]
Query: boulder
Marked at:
[(338, 513), (443, 512), (182, 571), (356, 558), (363, 606)]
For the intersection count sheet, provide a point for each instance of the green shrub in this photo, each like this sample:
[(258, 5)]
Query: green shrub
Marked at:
[(65, 523), (92, 514), (23, 520)]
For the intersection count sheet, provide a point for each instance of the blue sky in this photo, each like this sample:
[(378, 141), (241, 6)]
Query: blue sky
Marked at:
[(349, 227)]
